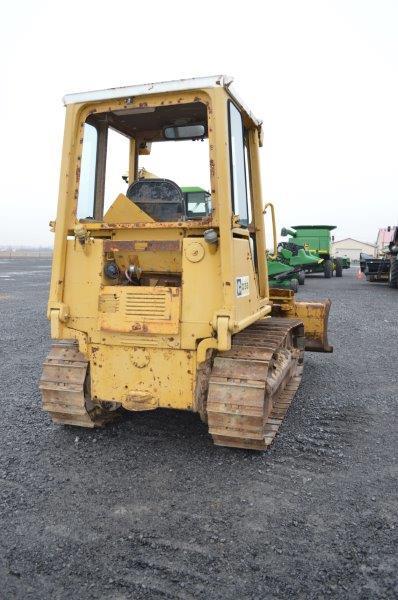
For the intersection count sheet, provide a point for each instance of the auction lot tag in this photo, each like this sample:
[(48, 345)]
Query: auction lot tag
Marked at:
[(242, 286)]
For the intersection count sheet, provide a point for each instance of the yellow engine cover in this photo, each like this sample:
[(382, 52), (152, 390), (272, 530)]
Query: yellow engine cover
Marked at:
[(139, 309)]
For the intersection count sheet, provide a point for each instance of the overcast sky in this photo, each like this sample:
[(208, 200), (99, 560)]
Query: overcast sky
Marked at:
[(322, 75)]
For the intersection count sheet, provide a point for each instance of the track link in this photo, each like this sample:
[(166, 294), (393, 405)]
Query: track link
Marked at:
[(63, 385), (253, 384)]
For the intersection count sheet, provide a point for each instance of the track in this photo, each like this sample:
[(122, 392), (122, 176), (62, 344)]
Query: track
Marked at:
[(250, 390), (62, 385), (252, 385)]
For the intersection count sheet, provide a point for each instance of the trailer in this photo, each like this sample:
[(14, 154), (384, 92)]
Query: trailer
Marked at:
[(383, 268)]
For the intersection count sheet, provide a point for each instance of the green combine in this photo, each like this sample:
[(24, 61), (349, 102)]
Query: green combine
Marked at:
[(197, 202), (281, 275), (300, 261), (288, 269), (308, 249), (316, 241)]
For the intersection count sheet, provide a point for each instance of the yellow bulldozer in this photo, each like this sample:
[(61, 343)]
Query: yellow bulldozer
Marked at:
[(154, 303)]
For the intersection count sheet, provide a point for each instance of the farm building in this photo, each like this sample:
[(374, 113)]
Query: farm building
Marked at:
[(352, 248)]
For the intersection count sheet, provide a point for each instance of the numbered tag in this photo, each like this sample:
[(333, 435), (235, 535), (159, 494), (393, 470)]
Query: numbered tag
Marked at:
[(242, 286)]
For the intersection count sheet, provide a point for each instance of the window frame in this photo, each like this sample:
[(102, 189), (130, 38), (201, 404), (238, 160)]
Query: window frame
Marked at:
[(231, 169), (83, 167), (102, 142)]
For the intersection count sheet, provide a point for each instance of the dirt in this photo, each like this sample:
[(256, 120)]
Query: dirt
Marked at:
[(149, 508)]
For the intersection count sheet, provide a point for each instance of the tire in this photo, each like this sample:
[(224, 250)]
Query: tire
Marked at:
[(339, 268), (301, 277), (328, 269), (393, 273)]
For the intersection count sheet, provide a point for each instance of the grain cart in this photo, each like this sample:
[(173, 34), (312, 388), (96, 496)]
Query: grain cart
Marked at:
[(316, 240), (150, 307)]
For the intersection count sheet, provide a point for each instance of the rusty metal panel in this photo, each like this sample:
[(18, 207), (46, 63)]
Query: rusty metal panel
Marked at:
[(143, 378), (162, 87), (142, 246), (140, 309)]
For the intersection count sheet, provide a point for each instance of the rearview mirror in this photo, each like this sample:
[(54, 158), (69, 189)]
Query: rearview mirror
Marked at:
[(184, 132)]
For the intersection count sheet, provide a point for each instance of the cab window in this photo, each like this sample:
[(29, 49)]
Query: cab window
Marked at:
[(237, 164), (147, 154), (85, 205)]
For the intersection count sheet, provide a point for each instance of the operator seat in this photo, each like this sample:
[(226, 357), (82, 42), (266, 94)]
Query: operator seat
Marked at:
[(161, 199)]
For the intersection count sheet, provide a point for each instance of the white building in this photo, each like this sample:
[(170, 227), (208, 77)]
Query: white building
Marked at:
[(352, 248)]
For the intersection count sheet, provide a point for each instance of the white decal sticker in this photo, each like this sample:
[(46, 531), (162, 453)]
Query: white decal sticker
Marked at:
[(242, 286)]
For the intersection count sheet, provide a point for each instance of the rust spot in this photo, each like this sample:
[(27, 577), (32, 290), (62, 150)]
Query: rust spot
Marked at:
[(142, 246), (139, 327), (212, 168), (155, 225)]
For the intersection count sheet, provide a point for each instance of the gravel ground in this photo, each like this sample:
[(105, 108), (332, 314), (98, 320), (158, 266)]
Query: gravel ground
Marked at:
[(149, 508)]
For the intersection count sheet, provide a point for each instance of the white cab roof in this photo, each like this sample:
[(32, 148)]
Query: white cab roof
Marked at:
[(195, 83)]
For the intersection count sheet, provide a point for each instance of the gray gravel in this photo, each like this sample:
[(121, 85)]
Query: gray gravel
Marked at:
[(149, 508)]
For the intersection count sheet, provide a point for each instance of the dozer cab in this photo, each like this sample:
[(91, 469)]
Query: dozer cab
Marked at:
[(154, 303)]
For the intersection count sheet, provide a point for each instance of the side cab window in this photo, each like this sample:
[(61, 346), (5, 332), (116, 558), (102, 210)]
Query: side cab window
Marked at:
[(238, 165), (88, 165)]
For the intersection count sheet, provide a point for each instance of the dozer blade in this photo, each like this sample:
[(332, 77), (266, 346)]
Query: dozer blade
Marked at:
[(314, 315), (252, 385)]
